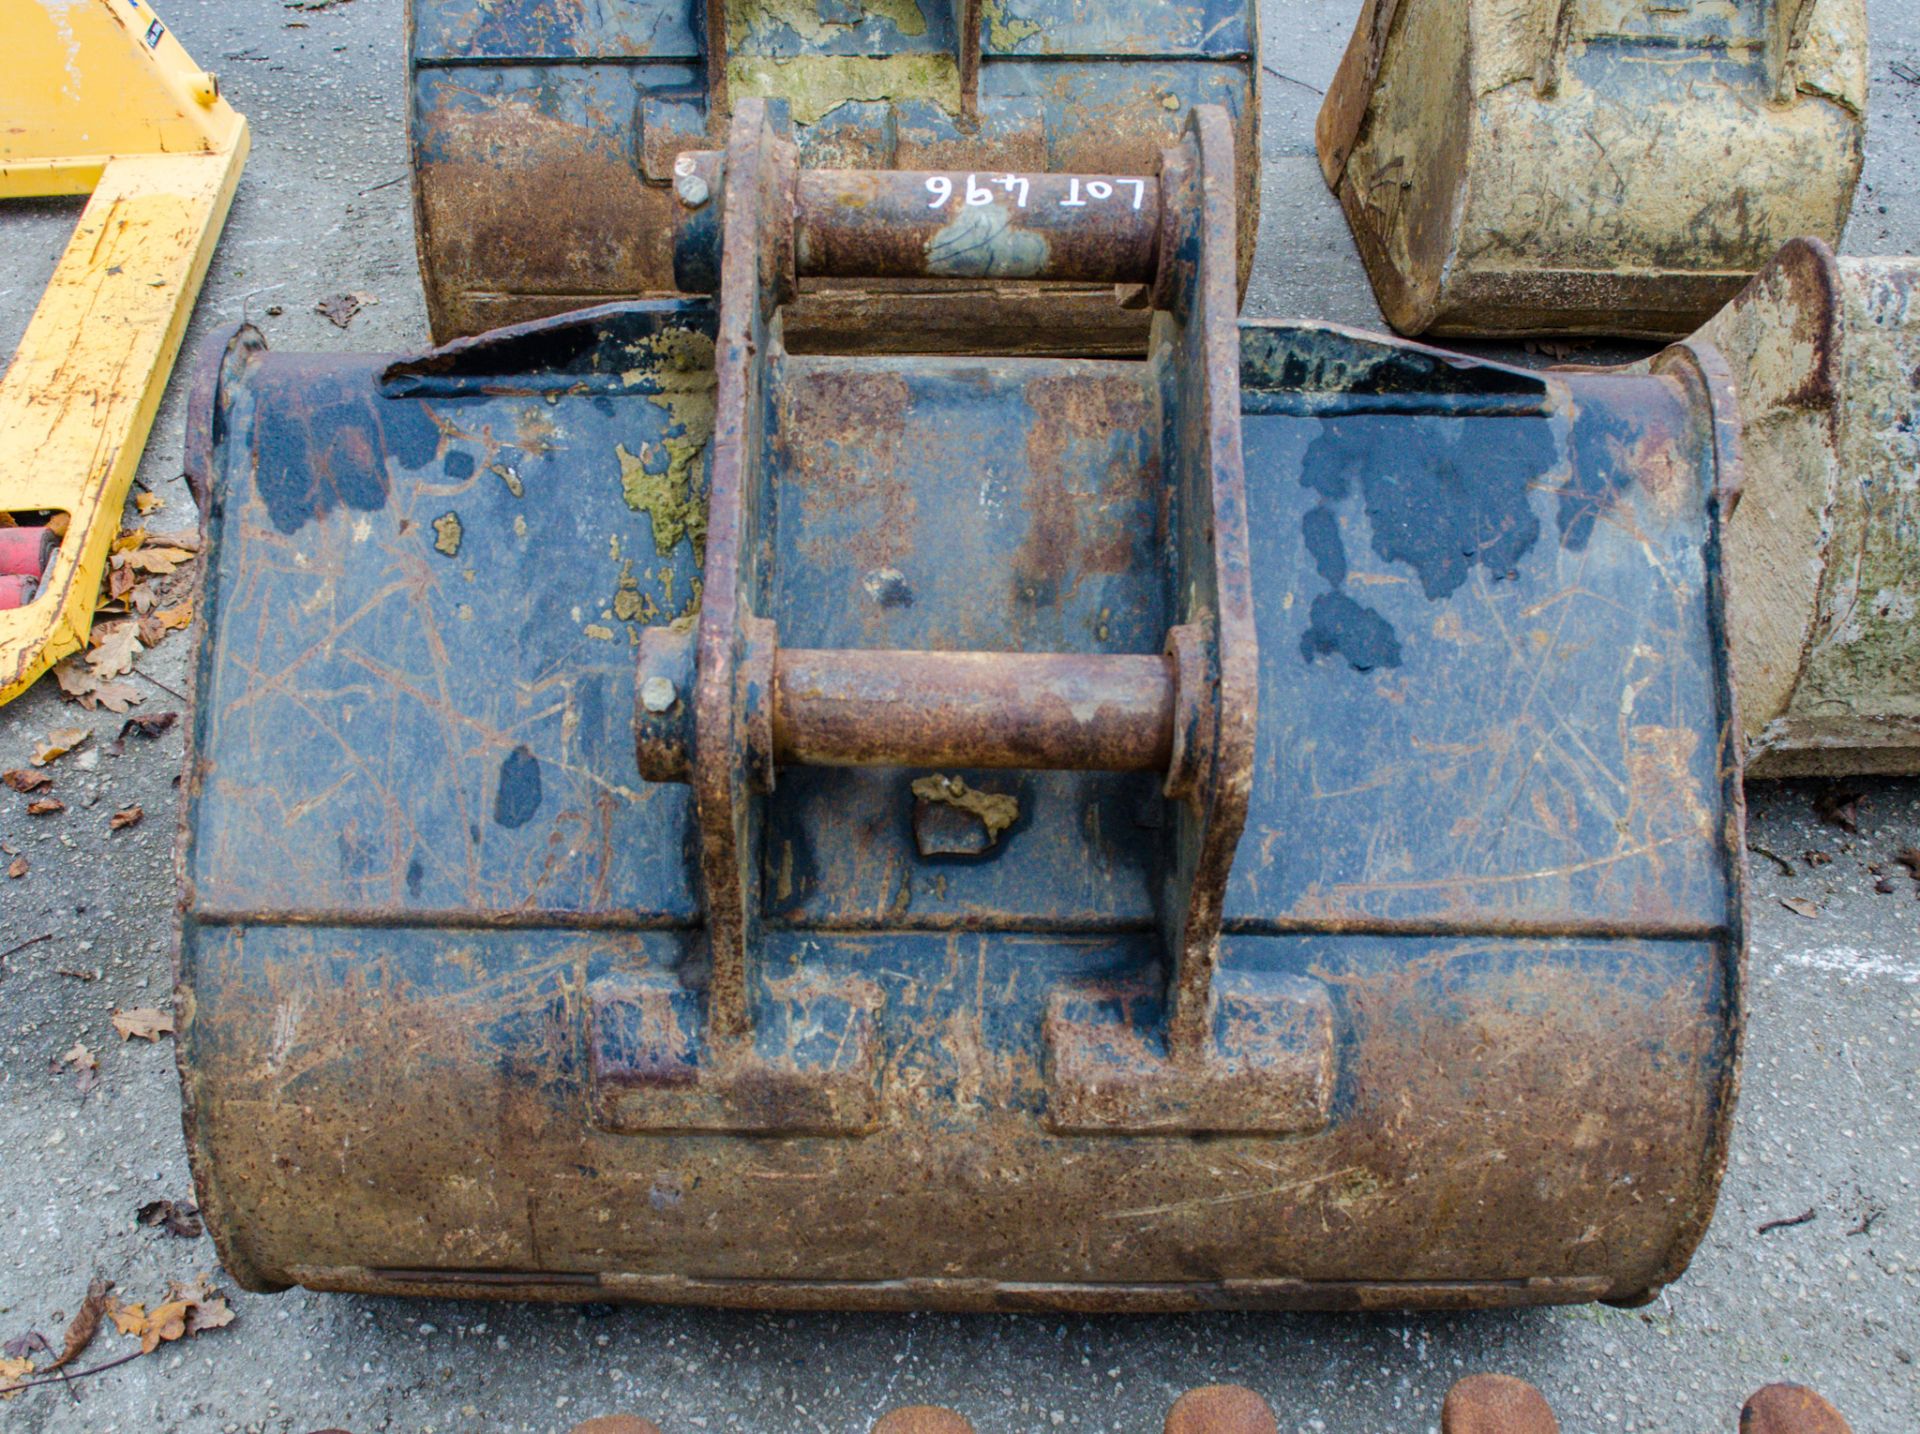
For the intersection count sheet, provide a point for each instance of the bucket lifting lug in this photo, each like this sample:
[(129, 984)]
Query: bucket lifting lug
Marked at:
[(724, 705)]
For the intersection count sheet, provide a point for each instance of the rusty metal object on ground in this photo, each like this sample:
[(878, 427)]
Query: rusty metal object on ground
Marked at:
[(1589, 166), (1823, 550), (1220, 1409), (544, 936), (1478, 1404), (545, 137), (1790, 1409), (922, 1419), (1496, 1404)]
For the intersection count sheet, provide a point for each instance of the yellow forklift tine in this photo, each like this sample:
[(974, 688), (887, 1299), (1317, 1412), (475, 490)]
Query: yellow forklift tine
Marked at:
[(103, 101)]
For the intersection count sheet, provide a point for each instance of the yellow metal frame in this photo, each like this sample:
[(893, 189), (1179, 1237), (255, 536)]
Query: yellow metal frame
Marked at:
[(100, 99)]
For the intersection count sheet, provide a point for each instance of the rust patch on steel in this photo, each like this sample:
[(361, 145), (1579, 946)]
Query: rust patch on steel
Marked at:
[(522, 214), (1069, 537)]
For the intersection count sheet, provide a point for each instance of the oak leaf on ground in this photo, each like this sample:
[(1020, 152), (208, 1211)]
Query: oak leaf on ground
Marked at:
[(113, 647), (158, 560), (83, 684), (146, 1022), (188, 1309), (153, 1327), (161, 621)]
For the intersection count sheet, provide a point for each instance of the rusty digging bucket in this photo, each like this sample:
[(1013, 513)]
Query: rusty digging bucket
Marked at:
[(1255, 825), (1587, 167), (544, 140)]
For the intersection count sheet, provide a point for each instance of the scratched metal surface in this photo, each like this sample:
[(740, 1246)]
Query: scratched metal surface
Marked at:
[(1489, 689), (409, 1083), (427, 589), (996, 505)]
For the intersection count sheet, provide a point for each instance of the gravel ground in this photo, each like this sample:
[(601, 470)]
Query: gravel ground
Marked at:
[(1826, 1123)]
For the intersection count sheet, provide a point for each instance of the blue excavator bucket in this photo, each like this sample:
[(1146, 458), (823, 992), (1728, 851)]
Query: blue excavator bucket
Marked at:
[(676, 817)]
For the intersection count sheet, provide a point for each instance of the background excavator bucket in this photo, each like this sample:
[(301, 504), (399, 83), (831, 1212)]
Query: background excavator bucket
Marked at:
[(544, 138), (99, 99), (1588, 167)]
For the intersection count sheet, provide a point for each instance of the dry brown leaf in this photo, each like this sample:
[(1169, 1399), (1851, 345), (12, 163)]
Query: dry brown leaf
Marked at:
[(80, 1058), (180, 1218), (146, 1022), (121, 580), (12, 1371), (84, 1326), (124, 818), (188, 1309), (212, 1313), (81, 683), (206, 1307), (76, 679), (21, 780), (1800, 906), (158, 560), (1839, 808), (45, 806), (185, 539), (339, 309), (114, 647), (117, 697), (59, 742), (130, 540), (162, 621), (150, 726), (18, 868), (128, 1319), (165, 1322), (147, 502)]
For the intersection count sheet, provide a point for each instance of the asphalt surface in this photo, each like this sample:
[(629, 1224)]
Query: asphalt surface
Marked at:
[(1827, 1120)]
